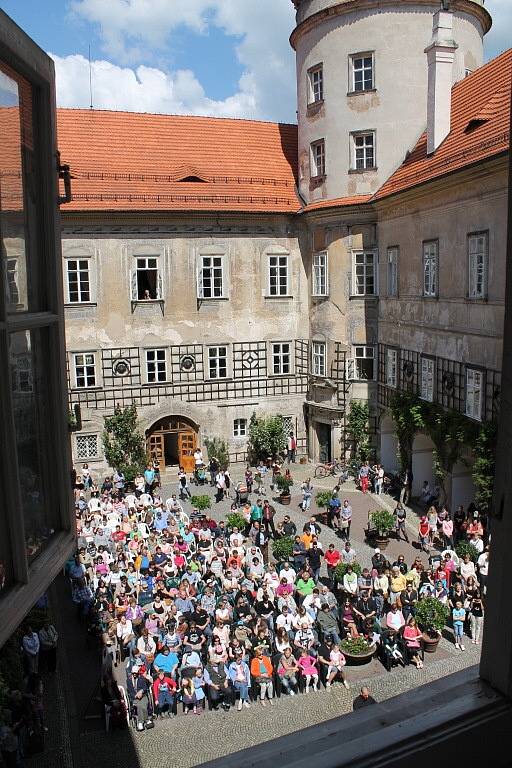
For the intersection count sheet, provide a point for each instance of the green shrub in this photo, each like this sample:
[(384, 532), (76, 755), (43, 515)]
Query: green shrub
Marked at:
[(267, 437), (236, 520), (218, 448), (323, 498), (284, 484), (282, 548), (125, 447), (201, 502), (357, 646), (465, 548), (431, 615), (382, 521), (341, 570)]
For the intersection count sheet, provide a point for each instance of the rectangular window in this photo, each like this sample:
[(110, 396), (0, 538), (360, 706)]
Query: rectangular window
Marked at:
[(79, 283), (478, 252), (474, 393), (392, 274), (13, 293), (364, 363), (156, 366), (427, 379), (240, 428), (316, 84), (318, 355), (85, 370), (217, 362), (211, 277), (391, 367), (320, 274), (430, 268), (278, 275), (281, 358), (87, 447), (363, 151), (146, 280), (318, 158), (362, 65), (364, 273)]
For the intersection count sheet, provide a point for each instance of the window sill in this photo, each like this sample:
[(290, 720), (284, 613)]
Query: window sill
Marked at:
[(86, 389), (362, 92), (477, 299), (430, 298), (364, 296), (372, 169), (148, 301), (211, 299), (281, 296), (155, 383), (280, 375), (71, 304), (319, 295), (315, 104)]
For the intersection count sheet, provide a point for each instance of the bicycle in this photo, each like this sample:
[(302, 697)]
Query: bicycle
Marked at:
[(329, 468)]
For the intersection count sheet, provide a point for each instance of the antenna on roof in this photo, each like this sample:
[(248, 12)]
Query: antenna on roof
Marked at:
[(90, 78)]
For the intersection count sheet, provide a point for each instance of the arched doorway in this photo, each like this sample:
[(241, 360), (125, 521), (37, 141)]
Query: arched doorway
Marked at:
[(172, 441)]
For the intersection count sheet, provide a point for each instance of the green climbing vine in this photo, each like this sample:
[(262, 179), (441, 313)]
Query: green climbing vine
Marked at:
[(358, 427)]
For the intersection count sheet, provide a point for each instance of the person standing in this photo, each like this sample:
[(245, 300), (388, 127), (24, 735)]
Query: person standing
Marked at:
[(364, 477), (400, 518), (292, 449), (268, 519), (48, 638), (149, 479), (307, 493), (345, 520), (379, 479), (183, 489), (31, 646)]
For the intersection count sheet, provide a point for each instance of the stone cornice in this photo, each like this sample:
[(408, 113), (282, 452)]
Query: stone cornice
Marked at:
[(349, 6)]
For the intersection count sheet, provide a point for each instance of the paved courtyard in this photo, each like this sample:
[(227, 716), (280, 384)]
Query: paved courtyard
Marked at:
[(76, 736)]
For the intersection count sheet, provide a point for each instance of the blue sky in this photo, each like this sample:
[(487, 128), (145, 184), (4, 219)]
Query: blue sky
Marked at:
[(214, 57)]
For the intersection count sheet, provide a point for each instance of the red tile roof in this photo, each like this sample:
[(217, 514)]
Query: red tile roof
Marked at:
[(480, 128), (135, 161), (337, 202)]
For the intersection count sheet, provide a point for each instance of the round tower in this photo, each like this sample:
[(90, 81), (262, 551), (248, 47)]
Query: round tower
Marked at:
[(362, 80)]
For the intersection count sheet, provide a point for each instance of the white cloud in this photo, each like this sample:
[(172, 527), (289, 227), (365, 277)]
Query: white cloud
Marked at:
[(130, 27), (144, 89), (500, 36)]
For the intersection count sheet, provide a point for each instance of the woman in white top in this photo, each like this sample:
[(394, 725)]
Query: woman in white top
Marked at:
[(467, 568)]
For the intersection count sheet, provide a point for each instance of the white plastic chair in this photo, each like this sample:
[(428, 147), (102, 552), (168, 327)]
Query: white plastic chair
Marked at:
[(143, 529)]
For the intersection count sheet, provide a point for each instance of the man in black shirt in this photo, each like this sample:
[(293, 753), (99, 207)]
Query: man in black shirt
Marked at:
[(363, 700), (289, 528), (315, 555)]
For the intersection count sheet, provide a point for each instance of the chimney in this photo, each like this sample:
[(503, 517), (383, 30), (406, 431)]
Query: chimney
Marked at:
[(440, 55)]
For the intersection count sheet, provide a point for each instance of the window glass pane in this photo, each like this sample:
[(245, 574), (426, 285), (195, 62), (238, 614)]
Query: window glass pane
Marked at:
[(28, 353), (16, 148)]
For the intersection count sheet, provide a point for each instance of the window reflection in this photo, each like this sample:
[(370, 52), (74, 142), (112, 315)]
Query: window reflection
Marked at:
[(27, 352), (15, 143)]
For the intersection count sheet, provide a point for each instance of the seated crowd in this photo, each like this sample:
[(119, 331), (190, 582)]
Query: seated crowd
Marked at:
[(201, 617)]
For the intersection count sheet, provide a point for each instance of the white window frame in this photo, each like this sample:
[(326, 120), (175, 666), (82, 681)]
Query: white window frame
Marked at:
[(364, 273), (320, 274), (88, 456), (392, 270), (317, 158), (215, 355), (211, 267), (363, 68), (427, 378), (362, 159), (363, 352), (475, 383), (82, 360), (319, 358), (12, 281), (22, 374), (134, 279), (84, 295), (278, 281), (281, 358), (240, 428), (315, 84), (392, 367), (478, 264), (155, 365), (430, 268)]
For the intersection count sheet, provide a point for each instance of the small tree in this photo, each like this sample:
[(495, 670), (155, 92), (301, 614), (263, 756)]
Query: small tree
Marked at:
[(267, 437), (408, 414), (218, 447), (484, 465), (358, 426), (282, 549), (124, 446), (201, 502)]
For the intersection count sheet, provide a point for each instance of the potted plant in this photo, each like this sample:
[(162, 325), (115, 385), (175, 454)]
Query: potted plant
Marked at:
[(382, 523), (341, 570), (357, 651), (282, 549), (236, 520), (465, 548), (322, 501), (431, 616), (284, 484), (201, 502)]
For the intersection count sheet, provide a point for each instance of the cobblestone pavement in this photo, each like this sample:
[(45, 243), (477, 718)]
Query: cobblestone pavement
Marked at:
[(74, 740)]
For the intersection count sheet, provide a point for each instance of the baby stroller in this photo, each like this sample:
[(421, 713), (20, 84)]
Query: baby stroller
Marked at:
[(200, 474), (242, 493)]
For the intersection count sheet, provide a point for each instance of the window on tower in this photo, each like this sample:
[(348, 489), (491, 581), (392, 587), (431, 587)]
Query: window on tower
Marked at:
[(361, 72), (318, 158), (316, 84), (363, 151)]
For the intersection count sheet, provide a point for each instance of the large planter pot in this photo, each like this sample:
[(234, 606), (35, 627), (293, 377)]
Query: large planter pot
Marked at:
[(381, 542), (285, 499), (430, 643), (359, 659)]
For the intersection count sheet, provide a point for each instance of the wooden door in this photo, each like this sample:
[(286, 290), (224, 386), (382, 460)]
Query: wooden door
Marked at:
[(186, 448), (155, 448)]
